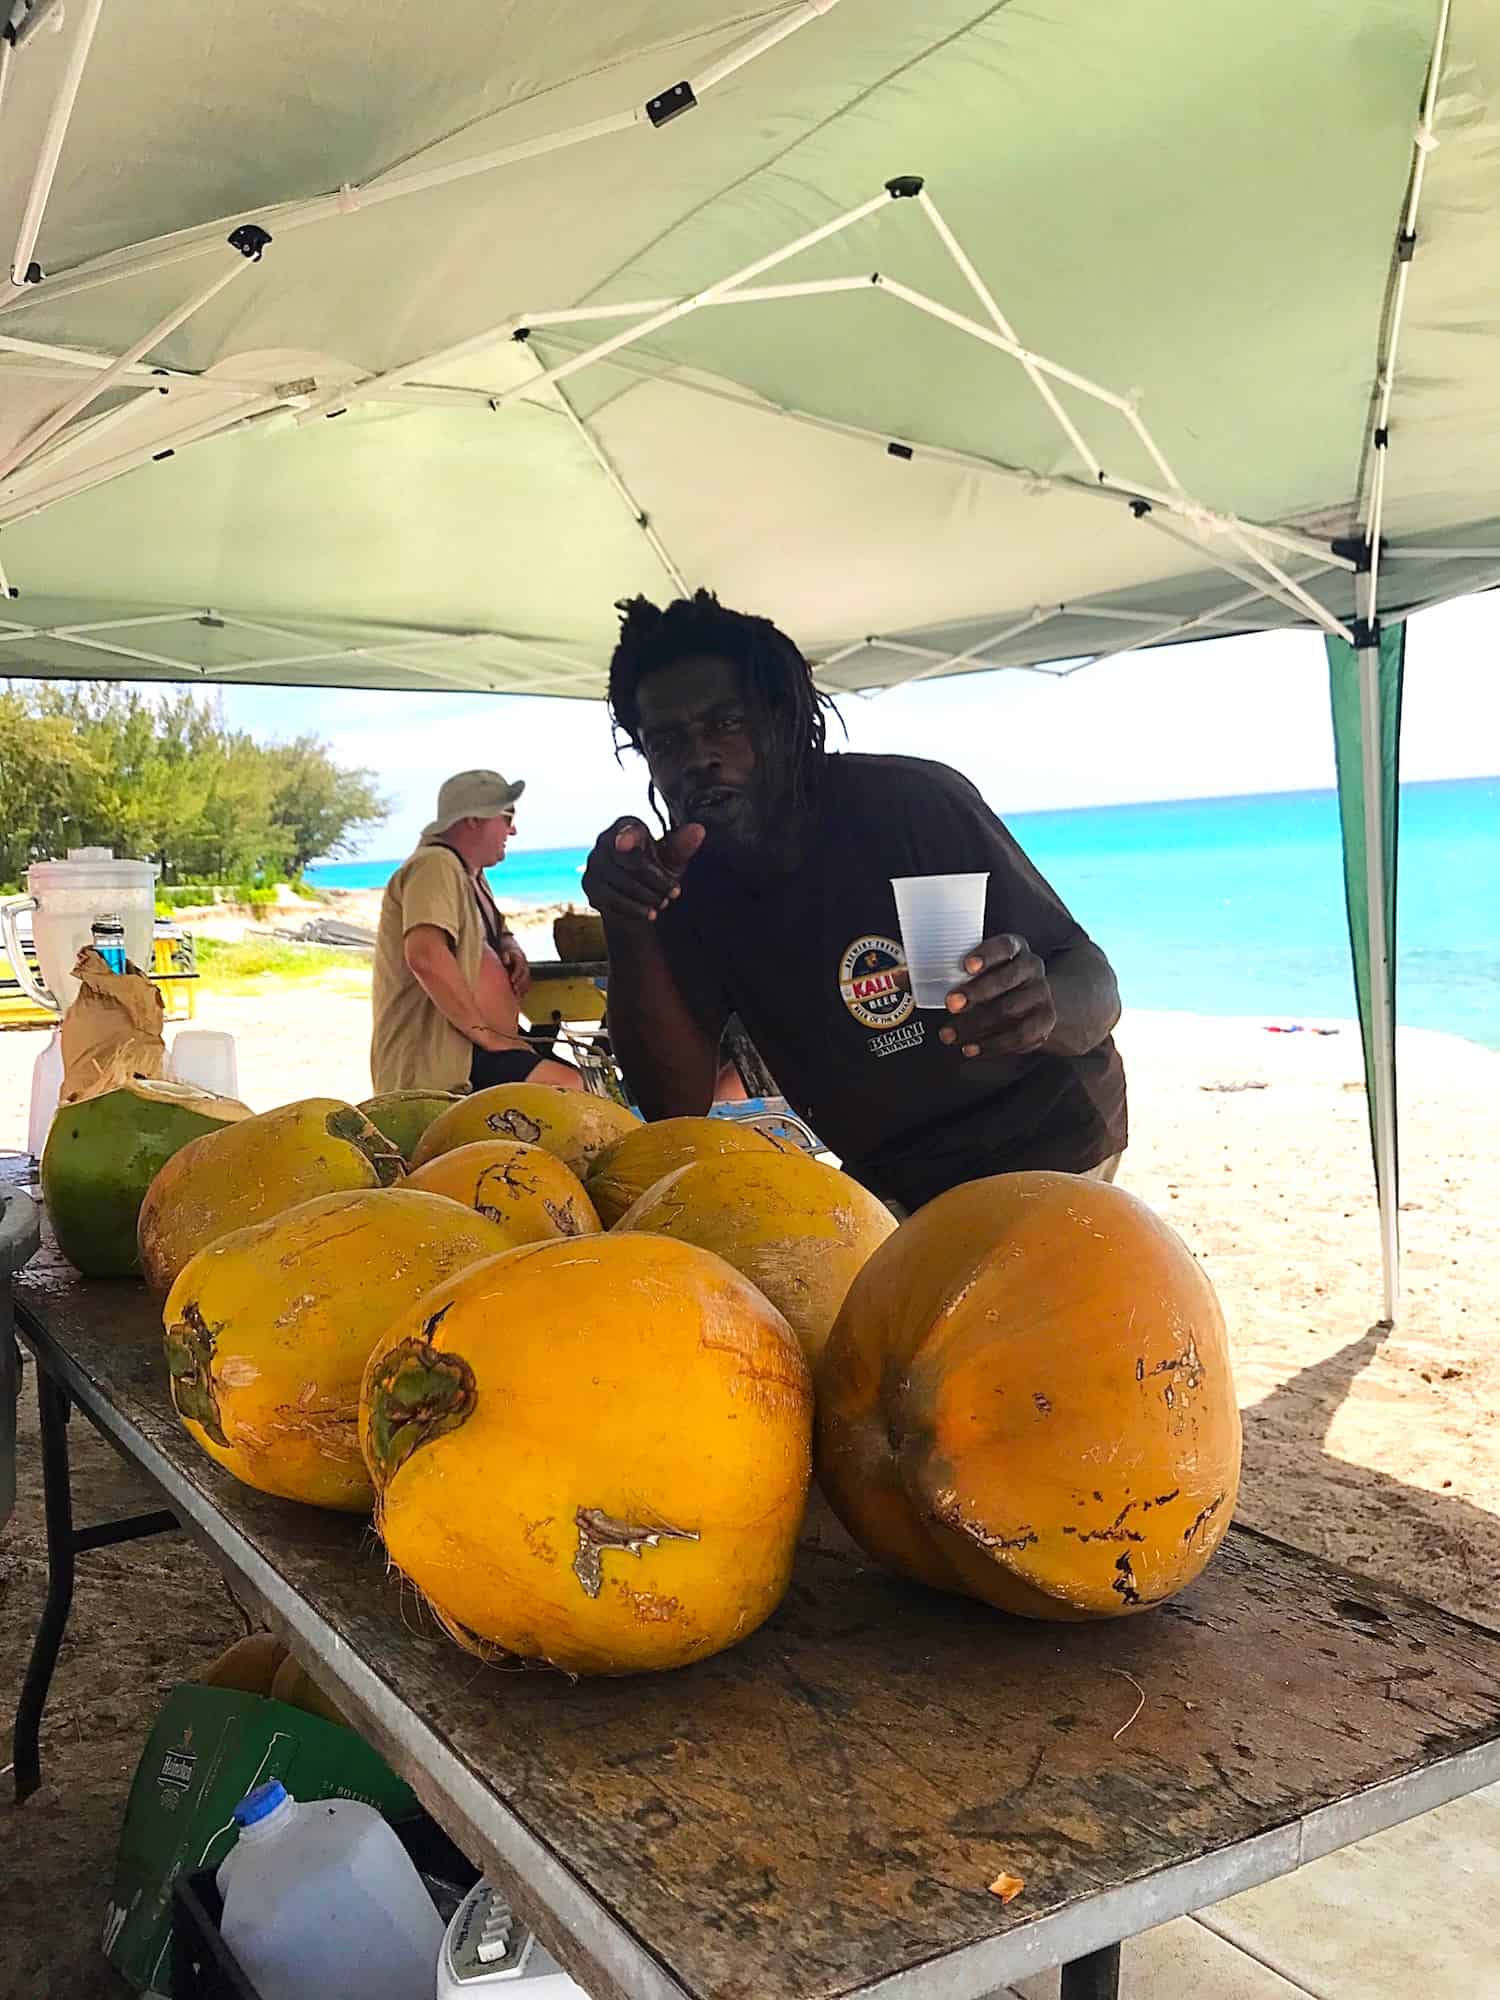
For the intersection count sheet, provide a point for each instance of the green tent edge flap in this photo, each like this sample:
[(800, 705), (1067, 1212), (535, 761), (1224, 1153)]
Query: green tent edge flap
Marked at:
[(1367, 751)]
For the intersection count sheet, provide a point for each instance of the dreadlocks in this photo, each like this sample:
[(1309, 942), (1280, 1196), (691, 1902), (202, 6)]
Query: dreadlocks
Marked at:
[(775, 682)]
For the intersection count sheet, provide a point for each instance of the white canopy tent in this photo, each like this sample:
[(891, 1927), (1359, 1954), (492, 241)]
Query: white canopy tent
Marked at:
[(362, 350)]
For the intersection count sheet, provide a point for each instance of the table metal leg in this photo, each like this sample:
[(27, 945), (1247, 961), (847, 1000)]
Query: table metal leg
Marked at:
[(64, 1544), (57, 1500), (1096, 1977)]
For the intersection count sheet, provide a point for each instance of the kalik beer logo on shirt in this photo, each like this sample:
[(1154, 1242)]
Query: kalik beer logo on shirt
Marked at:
[(874, 984)]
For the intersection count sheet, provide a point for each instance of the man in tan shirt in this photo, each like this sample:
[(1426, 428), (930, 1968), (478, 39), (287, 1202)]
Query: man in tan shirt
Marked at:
[(449, 976)]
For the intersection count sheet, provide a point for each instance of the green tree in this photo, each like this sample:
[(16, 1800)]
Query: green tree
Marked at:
[(164, 778), (320, 806), (49, 785), (233, 836)]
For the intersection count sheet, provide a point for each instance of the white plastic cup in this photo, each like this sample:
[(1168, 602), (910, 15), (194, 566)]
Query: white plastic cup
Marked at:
[(942, 919), (206, 1057), (46, 1088)]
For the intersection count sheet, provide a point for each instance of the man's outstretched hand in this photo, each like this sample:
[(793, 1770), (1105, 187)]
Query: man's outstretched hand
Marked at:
[(632, 876), (1005, 1007)]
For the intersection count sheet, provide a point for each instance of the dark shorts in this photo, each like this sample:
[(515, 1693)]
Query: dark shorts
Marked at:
[(492, 1066)]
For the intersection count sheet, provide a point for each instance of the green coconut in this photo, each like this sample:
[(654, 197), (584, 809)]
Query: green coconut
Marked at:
[(404, 1115), (103, 1154)]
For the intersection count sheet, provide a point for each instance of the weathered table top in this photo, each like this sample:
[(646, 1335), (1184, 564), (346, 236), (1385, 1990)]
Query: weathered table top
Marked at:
[(820, 1812)]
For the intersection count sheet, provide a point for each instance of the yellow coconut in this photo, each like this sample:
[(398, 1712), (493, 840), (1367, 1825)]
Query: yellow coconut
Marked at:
[(798, 1229), (645, 1155), (525, 1190), (592, 1453), (268, 1331), (1027, 1398), (249, 1172), (576, 1125)]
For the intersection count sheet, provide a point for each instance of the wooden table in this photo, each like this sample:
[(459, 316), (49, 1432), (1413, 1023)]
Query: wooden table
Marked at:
[(819, 1812)]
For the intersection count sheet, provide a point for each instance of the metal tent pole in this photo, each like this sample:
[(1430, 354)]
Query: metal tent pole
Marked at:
[(89, 392), (23, 270), (409, 178), (24, 504)]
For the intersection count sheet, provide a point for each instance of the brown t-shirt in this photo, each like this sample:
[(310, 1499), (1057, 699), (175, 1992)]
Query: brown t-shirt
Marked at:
[(414, 1046), (812, 963)]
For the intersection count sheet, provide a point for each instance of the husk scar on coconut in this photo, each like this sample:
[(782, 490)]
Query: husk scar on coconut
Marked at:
[(547, 1499), (524, 1189), (575, 1125), (1027, 1398)]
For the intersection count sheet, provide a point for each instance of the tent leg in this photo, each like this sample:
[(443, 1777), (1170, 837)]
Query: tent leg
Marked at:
[(1382, 1030)]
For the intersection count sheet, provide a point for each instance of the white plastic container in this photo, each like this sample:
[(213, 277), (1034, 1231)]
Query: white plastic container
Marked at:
[(206, 1057), (942, 919), (46, 1088), (488, 1954), (65, 898), (321, 1899)]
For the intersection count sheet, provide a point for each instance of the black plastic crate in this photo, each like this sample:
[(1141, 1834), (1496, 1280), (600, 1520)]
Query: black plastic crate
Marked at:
[(203, 1966)]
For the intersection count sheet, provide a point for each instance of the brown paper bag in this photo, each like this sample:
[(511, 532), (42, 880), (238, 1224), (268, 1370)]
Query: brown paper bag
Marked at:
[(112, 1031)]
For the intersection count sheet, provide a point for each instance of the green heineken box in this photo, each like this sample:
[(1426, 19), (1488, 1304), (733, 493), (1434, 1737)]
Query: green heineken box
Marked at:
[(209, 1748)]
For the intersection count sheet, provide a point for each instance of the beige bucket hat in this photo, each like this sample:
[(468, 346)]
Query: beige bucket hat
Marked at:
[(472, 795)]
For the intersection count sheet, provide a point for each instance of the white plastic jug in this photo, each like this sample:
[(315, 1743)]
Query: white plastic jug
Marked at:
[(65, 898), (321, 1899)]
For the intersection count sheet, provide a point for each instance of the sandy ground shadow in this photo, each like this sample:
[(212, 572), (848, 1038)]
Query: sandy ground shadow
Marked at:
[(147, 1616)]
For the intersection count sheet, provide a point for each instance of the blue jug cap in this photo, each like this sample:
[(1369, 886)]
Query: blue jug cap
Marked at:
[(257, 1804)]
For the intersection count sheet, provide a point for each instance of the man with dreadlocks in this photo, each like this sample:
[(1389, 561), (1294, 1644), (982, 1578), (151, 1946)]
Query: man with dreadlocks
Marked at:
[(770, 897)]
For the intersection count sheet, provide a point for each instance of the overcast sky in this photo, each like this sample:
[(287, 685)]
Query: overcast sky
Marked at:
[(1231, 716)]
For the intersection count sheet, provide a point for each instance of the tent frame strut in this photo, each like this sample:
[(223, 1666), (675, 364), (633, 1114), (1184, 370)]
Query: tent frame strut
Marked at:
[(136, 260), (26, 448), (23, 506), (637, 513), (84, 636), (1250, 540), (25, 272), (1180, 628), (1166, 627), (650, 316)]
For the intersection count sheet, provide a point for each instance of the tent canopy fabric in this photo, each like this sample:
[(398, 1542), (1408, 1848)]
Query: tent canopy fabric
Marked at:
[(347, 347), (1107, 379)]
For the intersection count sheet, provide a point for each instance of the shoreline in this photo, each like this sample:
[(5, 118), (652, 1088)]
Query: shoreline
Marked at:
[(533, 922)]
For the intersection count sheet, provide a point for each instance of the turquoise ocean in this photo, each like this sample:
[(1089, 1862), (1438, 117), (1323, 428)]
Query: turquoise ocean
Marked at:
[(1223, 906)]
